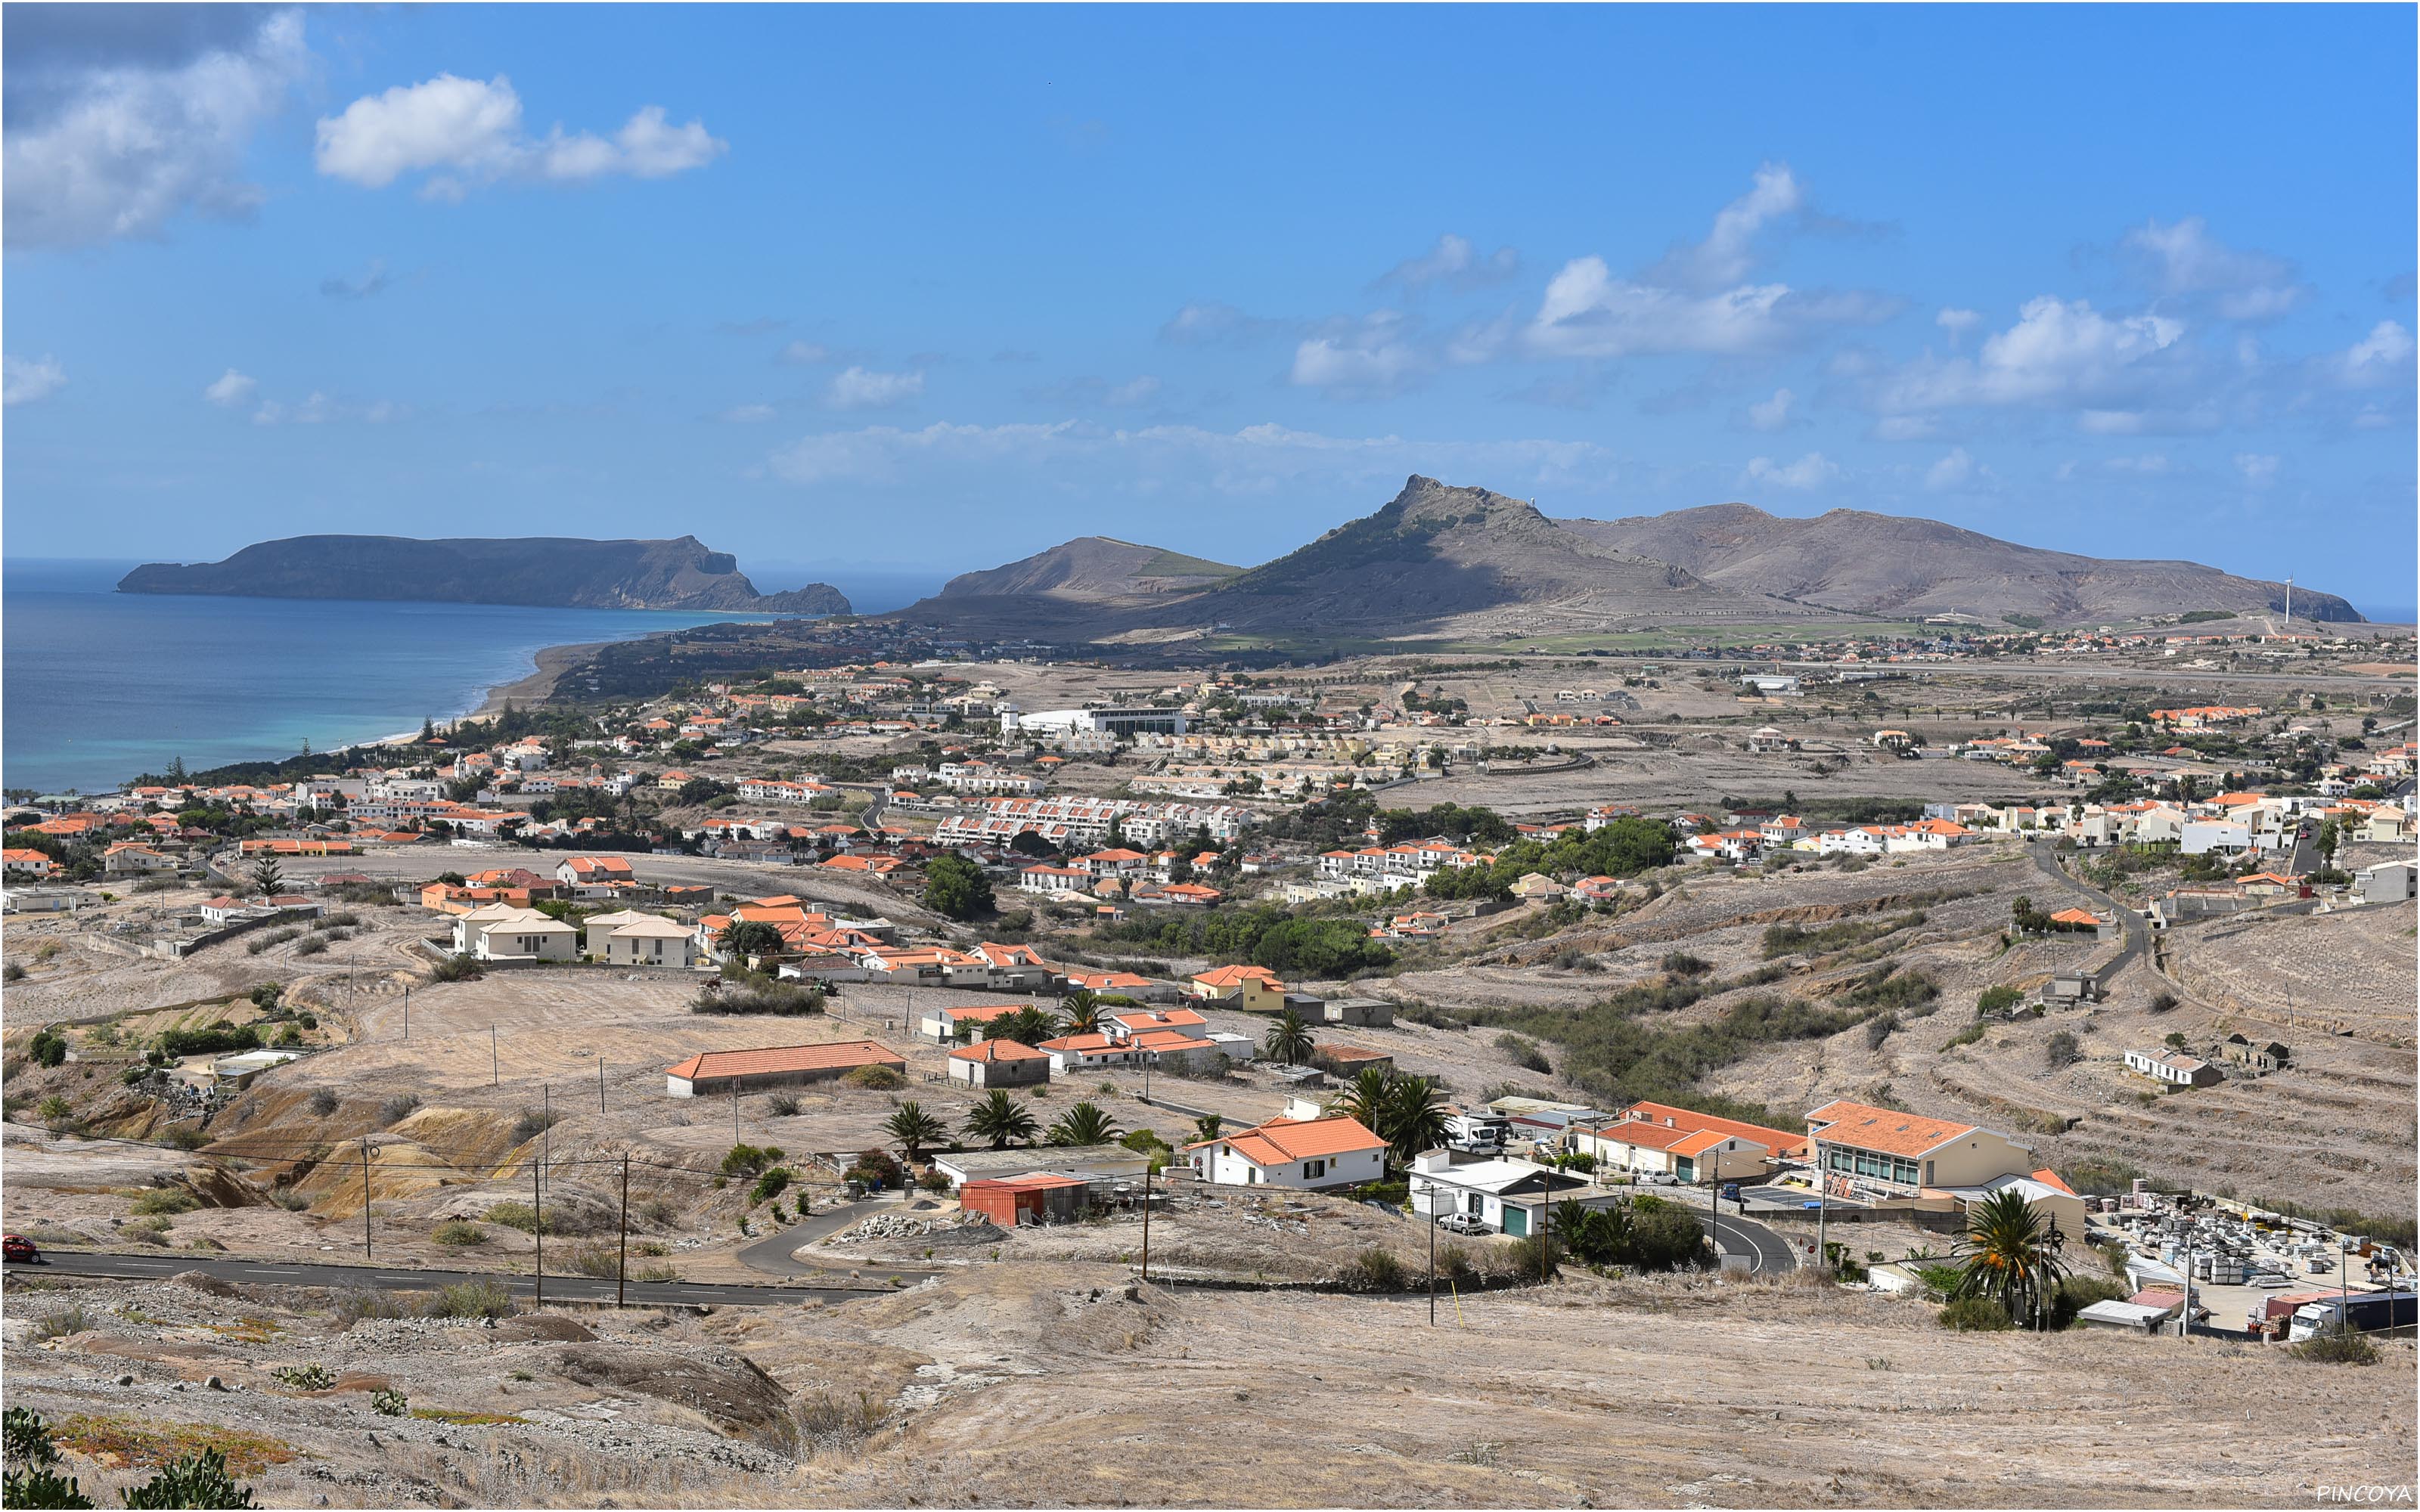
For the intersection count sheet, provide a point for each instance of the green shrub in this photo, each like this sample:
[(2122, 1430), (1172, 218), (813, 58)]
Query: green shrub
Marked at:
[(390, 1403), (1969, 1034), (455, 968), (882, 1079), (519, 1216), (164, 1200), (2337, 1346), (469, 1299), (1975, 1315), (1995, 999), (1373, 1270), (323, 1102), (313, 1377), (194, 1480), (2077, 1292), (603, 1261), (397, 1108), (185, 1136), (750, 1159), (458, 1233), (769, 1185)]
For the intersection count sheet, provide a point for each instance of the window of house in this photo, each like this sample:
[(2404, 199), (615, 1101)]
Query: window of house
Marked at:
[(1314, 1169)]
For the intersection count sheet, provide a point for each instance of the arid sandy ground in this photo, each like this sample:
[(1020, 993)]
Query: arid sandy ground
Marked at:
[(1053, 1384)]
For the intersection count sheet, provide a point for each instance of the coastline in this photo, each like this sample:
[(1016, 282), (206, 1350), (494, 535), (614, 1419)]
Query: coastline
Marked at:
[(538, 685)]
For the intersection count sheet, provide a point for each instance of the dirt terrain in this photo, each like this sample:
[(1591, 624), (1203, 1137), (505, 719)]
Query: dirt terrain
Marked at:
[(1027, 1385)]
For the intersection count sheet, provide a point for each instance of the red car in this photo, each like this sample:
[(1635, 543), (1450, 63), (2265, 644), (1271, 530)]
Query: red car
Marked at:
[(18, 1247)]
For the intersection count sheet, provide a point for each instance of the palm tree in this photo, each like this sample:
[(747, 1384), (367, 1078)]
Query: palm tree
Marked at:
[(1084, 1124), (2011, 1254), (1365, 1100), (1029, 1025), (1000, 1118), (1289, 1040), (1080, 1011), (914, 1129), (1207, 1126), (1412, 1117)]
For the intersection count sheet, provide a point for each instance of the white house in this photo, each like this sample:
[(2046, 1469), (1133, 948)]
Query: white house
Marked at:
[(499, 931), (1295, 1153), (645, 940), (1505, 1195)]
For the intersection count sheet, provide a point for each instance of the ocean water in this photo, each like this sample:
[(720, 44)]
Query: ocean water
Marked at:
[(97, 686)]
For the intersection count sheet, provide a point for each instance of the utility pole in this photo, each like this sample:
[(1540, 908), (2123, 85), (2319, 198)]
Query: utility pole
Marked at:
[(546, 1133), (622, 1264), (734, 1110), (537, 1233), (1432, 1255), (494, 1070), (407, 1015), (1822, 1183), (600, 1083), (365, 1196), (1146, 1221), (1547, 1229)]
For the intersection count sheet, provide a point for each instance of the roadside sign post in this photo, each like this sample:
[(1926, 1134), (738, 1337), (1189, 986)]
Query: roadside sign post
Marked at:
[(622, 1262), (537, 1233)]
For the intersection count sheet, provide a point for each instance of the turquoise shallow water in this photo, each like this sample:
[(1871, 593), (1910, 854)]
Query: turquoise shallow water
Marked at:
[(96, 685)]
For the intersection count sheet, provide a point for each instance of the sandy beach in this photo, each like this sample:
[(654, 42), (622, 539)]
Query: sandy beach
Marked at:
[(552, 662)]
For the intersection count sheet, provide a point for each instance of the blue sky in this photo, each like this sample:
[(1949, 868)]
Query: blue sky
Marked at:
[(938, 288)]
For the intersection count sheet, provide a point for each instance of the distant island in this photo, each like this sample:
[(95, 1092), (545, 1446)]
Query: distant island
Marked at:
[(544, 572)]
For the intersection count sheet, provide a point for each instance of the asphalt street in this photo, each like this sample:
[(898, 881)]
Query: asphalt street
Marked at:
[(557, 1287)]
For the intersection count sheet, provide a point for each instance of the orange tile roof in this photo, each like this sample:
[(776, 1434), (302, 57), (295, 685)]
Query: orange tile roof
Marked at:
[(1280, 1140), (991, 1050), (1781, 1141), (1882, 1130), (780, 1058), (2050, 1177), (1235, 976)]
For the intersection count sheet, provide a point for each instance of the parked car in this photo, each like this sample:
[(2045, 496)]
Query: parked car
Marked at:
[(19, 1248), (1460, 1223), (1731, 1192)]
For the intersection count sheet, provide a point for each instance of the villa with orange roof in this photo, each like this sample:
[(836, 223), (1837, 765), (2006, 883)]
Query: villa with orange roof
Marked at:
[(1303, 1153), (1871, 1152), (714, 1072), (1653, 1138), (1251, 989), (24, 862)]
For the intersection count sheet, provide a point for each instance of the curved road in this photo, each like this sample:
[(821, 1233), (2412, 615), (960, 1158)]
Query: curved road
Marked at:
[(2137, 933), (1767, 1252), (772, 1253)]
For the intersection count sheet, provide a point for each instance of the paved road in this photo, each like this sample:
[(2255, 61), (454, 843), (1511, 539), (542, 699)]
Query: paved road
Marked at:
[(2135, 932), (1767, 1252), (772, 1255), (148, 1267)]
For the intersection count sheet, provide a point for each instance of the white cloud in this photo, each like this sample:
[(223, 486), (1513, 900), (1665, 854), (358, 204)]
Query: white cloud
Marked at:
[(1208, 323), (1252, 462), (2185, 258), (2150, 464), (2384, 356), (1727, 254), (1905, 428), (1954, 471), (1813, 470), (748, 414), (1774, 413), (2259, 470), (1134, 391), (856, 388), (1455, 260), (1588, 311), (2058, 351), (809, 353), (323, 409), (1958, 322), (230, 389), (1374, 359), (24, 382), (118, 148), (468, 130)]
